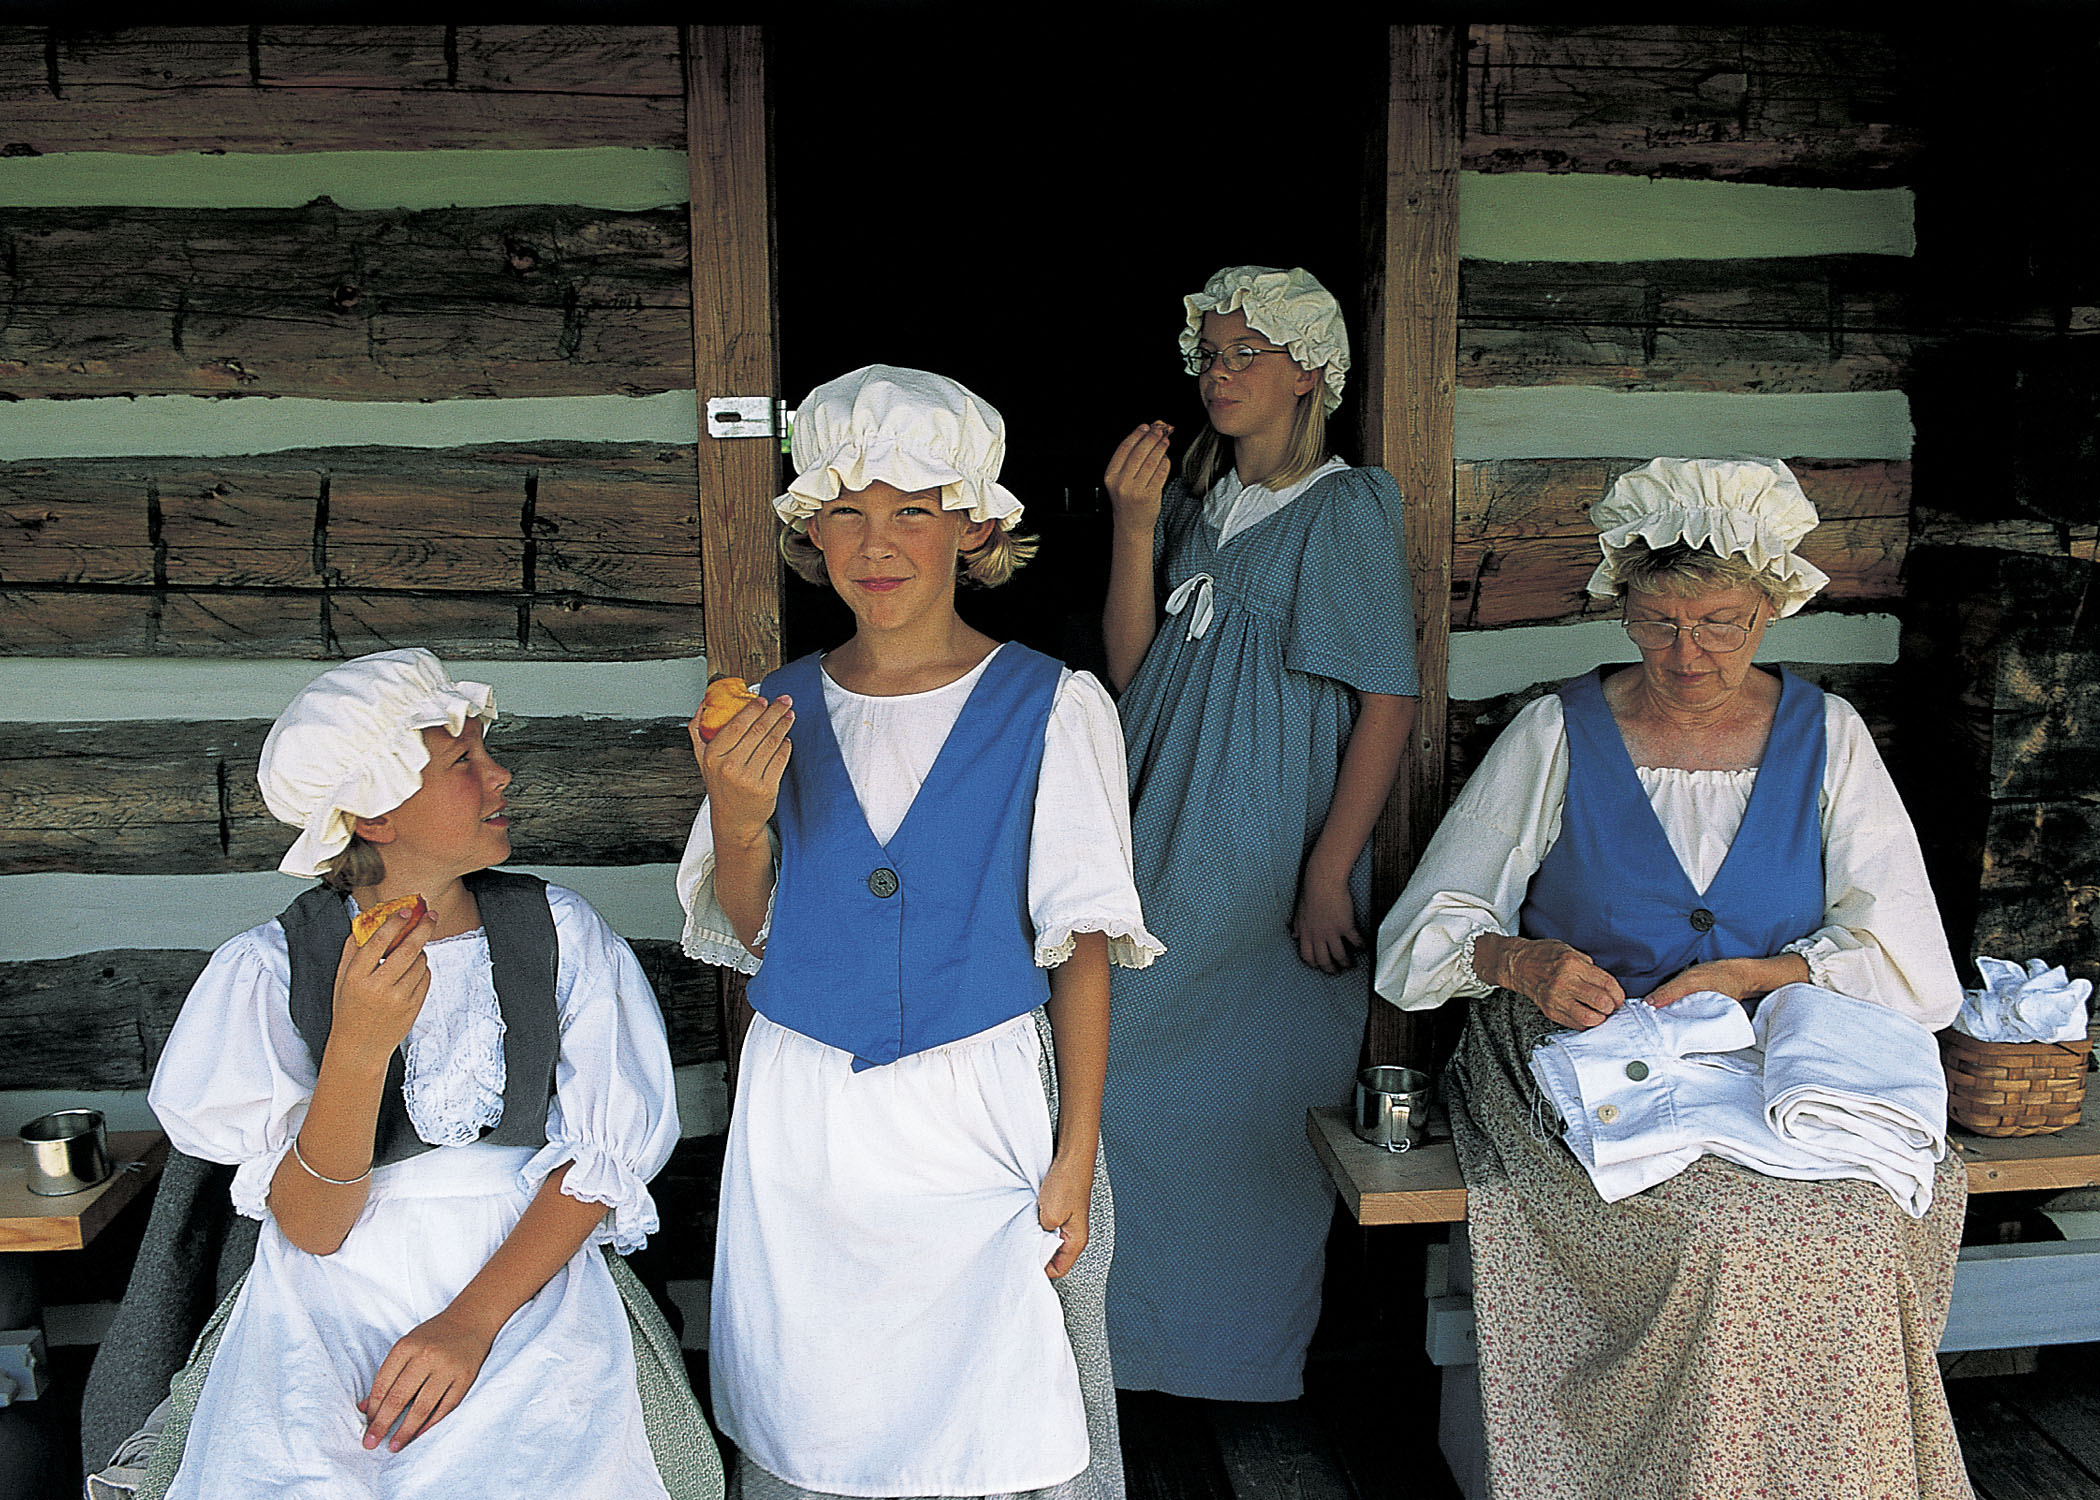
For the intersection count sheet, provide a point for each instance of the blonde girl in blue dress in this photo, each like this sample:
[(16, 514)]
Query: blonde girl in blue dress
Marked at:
[(1266, 715), (919, 845)]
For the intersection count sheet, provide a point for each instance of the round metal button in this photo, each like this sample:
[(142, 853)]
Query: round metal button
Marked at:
[(1702, 920), (1608, 1113), (1636, 1070), (883, 882)]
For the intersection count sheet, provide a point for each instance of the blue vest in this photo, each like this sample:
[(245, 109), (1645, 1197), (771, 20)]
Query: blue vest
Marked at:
[(1612, 887), (886, 950)]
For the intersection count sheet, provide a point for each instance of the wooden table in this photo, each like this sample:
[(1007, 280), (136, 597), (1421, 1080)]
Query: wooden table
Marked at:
[(30, 1222)]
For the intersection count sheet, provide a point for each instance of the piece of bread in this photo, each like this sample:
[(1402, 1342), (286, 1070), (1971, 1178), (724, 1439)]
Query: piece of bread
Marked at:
[(365, 923), (725, 697)]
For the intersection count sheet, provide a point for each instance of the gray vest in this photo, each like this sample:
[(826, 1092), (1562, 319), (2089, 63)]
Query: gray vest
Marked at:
[(525, 955)]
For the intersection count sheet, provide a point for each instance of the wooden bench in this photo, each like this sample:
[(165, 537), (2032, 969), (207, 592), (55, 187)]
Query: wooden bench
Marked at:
[(2005, 1296)]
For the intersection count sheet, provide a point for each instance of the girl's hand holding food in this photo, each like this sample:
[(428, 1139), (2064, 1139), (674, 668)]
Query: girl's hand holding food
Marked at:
[(380, 985), (1137, 476), (742, 762)]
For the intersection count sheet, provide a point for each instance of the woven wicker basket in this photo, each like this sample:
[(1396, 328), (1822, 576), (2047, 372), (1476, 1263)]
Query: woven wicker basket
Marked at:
[(2013, 1088)]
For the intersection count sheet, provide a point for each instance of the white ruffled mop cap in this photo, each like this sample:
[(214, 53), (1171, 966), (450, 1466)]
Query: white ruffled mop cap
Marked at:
[(908, 428), (350, 746), (1727, 506), (1290, 307)]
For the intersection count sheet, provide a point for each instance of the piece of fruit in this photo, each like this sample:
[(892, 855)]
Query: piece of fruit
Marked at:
[(725, 696), (365, 923)]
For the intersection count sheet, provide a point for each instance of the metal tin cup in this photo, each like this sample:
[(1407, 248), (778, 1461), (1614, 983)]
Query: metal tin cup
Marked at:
[(68, 1151), (1392, 1107)]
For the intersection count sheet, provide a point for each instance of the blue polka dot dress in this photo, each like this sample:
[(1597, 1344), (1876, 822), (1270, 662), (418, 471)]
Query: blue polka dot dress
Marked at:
[(1236, 722)]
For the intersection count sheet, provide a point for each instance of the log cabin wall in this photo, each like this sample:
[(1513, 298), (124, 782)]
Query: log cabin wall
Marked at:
[(1829, 246), (322, 340)]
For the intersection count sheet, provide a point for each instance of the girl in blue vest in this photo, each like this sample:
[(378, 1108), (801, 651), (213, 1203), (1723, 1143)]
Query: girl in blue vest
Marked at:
[(438, 1130), (1266, 714), (919, 845)]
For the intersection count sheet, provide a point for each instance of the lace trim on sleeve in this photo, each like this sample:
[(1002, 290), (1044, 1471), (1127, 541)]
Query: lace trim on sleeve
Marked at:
[(1130, 946), (705, 939), (1817, 951), (252, 1178), (597, 1176)]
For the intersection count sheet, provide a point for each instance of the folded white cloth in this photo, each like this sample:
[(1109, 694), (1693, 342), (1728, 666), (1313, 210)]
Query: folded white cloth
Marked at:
[(2035, 1004), (1822, 1086)]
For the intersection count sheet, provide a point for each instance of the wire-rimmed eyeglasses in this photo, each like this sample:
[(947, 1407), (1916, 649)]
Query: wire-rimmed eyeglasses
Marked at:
[(1717, 636), (1235, 359)]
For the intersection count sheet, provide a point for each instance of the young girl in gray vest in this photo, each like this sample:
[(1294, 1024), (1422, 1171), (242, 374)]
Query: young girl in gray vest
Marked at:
[(438, 1128), (919, 846)]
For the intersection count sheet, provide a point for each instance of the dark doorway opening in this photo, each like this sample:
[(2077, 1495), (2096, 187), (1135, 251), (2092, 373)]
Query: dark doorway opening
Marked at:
[(1026, 219)]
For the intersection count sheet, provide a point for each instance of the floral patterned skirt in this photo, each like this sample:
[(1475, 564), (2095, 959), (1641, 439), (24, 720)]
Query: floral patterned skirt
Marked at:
[(1721, 1334)]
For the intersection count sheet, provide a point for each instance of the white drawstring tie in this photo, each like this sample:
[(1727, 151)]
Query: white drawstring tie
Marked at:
[(1198, 589)]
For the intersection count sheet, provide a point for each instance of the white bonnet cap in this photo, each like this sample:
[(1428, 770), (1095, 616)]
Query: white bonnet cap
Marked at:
[(1290, 307), (1727, 506), (350, 746), (908, 428)]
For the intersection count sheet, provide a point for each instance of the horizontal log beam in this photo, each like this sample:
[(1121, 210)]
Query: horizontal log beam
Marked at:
[(1523, 546), (180, 797), (1800, 105), (1834, 323), (99, 1020), (325, 302), (339, 88), (575, 550)]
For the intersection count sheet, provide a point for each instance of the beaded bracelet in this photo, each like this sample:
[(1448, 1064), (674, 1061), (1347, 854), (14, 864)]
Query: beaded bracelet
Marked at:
[(300, 1158)]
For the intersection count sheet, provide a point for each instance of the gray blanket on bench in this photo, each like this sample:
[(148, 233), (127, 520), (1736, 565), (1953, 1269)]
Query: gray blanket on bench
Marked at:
[(196, 1248)]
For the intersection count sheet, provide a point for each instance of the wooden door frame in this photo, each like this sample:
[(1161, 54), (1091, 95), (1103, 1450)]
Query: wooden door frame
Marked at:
[(1409, 380), (735, 353)]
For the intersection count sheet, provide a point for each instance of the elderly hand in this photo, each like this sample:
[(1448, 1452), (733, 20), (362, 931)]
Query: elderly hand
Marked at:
[(1738, 978), (1563, 982)]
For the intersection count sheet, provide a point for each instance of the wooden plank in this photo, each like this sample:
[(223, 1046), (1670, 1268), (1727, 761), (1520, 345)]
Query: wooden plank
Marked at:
[(338, 88), (2040, 883), (1768, 327), (554, 550), (2005, 1454), (327, 302), (1277, 1450), (1802, 105), (736, 341), (2068, 1414), (180, 797), (1422, 1186), (29, 1222), (1408, 378), (2021, 1296), (99, 1020), (1524, 547), (1170, 1450)]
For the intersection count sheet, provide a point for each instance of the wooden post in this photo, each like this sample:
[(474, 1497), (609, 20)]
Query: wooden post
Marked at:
[(735, 342), (1409, 377)]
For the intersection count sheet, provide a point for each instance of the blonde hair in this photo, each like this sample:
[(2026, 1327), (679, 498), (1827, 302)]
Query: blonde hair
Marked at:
[(1681, 570), (1209, 458), (993, 562), (357, 866)]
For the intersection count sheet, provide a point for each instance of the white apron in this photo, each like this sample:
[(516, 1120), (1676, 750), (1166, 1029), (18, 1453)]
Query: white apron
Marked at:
[(881, 1322)]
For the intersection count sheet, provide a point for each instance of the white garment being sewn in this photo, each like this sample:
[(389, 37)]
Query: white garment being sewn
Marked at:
[(1821, 1086)]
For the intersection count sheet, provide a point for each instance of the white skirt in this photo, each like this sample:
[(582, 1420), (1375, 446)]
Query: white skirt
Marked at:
[(881, 1322), (554, 1410)]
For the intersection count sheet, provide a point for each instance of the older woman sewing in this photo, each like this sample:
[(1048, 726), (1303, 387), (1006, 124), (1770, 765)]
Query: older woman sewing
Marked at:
[(1690, 825)]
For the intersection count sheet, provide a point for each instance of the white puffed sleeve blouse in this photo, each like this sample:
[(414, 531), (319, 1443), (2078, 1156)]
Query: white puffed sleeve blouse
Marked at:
[(1079, 861), (1881, 938), (235, 1079)]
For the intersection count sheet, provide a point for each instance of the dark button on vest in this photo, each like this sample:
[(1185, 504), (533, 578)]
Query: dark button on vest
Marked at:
[(1702, 920), (883, 882)]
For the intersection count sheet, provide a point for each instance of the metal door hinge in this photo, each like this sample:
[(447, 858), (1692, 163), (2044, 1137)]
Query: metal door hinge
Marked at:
[(747, 416)]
